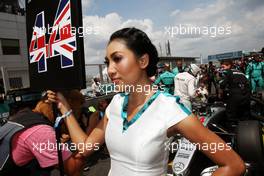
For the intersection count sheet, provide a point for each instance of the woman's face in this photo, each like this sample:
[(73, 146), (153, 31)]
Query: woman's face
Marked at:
[(123, 65)]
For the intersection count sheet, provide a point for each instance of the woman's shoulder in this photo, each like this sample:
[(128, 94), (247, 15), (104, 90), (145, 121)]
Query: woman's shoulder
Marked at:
[(171, 102), (116, 103), (117, 99), (172, 110), (168, 98), (118, 96)]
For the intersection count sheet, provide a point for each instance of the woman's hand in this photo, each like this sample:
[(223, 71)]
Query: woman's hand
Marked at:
[(60, 100)]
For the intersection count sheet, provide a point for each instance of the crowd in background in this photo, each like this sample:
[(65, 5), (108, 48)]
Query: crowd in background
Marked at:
[(210, 74)]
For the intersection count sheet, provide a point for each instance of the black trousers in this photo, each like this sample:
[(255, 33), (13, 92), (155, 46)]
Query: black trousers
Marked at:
[(210, 83)]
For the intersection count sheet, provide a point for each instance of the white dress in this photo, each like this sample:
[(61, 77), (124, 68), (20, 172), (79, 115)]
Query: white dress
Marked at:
[(141, 149)]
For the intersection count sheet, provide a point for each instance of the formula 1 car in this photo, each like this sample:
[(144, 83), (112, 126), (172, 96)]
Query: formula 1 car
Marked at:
[(245, 137)]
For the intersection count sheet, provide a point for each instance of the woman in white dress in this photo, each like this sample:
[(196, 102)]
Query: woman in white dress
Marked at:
[(138, 124)]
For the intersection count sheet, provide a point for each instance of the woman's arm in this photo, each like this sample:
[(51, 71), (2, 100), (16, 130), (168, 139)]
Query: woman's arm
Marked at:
[(229, 162), (93, 120), (85, 144)]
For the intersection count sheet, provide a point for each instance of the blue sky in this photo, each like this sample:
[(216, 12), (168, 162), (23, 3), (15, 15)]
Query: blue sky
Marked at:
[(242, 18), (157, 10)]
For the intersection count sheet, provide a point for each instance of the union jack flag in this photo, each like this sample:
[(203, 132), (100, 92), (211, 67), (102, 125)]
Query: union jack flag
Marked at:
[(62, 42)]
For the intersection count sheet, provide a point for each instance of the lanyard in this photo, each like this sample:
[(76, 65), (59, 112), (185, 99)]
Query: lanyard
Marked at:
[(101, 115), (126, 124)]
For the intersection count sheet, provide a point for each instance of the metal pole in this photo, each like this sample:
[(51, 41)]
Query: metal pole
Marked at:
[(101, 73), (58, 135), (5, 79)]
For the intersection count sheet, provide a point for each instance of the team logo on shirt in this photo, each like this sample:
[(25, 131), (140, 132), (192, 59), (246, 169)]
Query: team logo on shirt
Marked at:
[(179, 166)]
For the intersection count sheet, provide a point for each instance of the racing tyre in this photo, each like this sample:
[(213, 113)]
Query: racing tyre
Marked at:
[(250, 142)]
